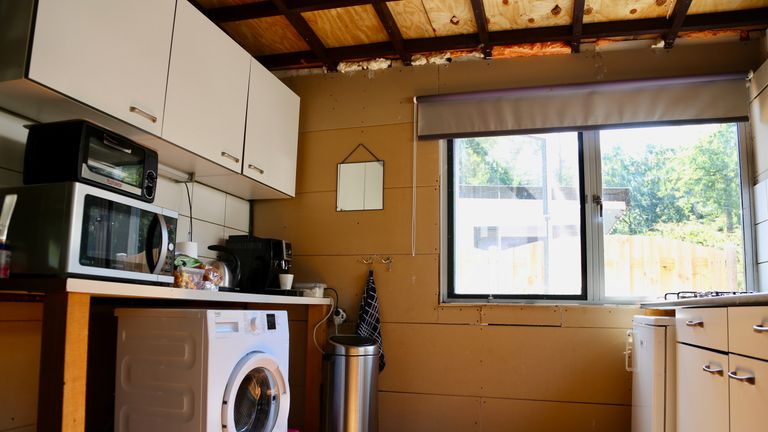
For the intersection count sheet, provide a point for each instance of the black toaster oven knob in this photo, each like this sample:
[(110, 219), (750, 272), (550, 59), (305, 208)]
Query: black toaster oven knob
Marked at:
[(150, 180)]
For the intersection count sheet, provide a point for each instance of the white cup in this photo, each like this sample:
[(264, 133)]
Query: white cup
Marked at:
[(286, 280)]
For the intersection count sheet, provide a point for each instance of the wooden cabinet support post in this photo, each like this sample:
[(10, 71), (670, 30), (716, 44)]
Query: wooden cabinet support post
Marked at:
[(314, 367), (64, 356)]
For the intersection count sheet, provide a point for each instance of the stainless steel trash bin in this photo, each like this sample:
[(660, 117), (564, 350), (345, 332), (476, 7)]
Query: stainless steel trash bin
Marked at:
[(351, 384)]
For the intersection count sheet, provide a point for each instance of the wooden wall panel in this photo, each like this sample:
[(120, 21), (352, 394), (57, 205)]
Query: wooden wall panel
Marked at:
[(357, 25), (17, 311), (321, 151), (526, 14), (450, 17), (431, 358), (605, 66), (407, 294), (314, 226), (504, 415), (412, 19), (459, 314), (600, 316), (297, 360), (533, 315), (266, 36), (403, 412), (555, 364), (615, 10), (366, 98), (19, 369)]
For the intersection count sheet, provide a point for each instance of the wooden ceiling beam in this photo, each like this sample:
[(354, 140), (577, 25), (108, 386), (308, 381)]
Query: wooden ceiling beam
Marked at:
[(719, 20), (265, 9), (481, 21), (678, 16), (577, 24), (307, 33), (390, 25)]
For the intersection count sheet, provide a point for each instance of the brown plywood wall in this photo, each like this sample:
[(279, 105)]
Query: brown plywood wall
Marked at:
[(449, 367)]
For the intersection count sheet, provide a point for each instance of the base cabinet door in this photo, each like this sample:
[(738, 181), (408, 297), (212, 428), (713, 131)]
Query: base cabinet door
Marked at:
[(109, 54), (702, 398), (748, 381), (272, 131)]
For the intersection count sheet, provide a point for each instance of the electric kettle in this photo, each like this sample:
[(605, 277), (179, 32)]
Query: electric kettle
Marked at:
[(228, 266)]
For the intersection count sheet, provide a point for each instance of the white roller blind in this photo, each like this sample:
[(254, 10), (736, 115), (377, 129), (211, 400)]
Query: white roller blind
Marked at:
[(584, 105)]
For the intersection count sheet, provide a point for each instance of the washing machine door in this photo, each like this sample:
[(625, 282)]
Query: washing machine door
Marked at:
[(256, 398)]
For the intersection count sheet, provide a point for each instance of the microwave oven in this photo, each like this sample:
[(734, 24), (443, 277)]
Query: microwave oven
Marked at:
[(80, 151), (73, 229)]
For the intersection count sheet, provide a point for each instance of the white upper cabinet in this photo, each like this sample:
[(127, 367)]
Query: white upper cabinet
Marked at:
[(272, 131), (109, 54), (207, 90)]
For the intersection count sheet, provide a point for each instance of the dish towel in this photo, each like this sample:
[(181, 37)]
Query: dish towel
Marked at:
[(368, 322)]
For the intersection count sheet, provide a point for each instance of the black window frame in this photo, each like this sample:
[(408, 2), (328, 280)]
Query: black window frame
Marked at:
[(450, 237)]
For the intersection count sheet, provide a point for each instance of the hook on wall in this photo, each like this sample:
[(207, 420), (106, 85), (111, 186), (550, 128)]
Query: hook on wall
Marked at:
[(372, 259), (387, 260)]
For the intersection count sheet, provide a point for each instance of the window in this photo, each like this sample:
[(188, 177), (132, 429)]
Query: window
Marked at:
[(601, 215)]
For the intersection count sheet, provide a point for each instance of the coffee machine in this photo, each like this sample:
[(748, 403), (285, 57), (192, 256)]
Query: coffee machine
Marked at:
[(262, 260)]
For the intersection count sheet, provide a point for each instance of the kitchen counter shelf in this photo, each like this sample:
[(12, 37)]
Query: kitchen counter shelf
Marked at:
[(756, 299), (117, 289), (68, 318)]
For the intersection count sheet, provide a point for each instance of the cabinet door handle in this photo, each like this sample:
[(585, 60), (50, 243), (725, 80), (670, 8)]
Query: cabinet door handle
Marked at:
[(229, 156), (760, 328), (143, 113), (254, 167), (749, 379), (692, 323), (714, 371)]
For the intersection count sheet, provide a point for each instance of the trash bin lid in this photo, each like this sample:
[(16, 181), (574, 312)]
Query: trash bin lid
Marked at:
[(352, 345)]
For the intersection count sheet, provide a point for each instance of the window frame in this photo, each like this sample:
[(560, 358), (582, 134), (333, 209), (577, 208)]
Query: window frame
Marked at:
[(590, 182)]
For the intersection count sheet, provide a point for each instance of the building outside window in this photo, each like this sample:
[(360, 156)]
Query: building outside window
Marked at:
[(606, 215)]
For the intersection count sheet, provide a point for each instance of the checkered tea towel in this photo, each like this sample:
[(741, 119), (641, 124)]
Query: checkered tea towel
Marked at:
[(369, 323)]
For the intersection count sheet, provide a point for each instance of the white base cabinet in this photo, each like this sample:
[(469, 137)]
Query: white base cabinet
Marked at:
[(726, 389), (109, 54)]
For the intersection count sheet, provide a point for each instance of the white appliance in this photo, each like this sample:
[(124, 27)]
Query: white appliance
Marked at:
[(651, 353), (201, 370)]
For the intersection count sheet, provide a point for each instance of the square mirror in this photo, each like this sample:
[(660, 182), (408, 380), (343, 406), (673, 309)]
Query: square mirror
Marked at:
[(360, 186)]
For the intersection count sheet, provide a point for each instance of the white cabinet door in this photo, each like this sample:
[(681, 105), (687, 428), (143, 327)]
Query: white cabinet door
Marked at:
[(702, 397), (272, 131), (749, 394), (109, 54), (207, 90)]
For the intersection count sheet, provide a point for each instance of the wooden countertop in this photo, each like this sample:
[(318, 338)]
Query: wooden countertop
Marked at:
[(754, 299), (97, 288)]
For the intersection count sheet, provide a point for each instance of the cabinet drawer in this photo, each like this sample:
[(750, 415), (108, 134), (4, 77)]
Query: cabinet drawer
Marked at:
[(702, 396), (748, 330), (749, 397), (707, 327)]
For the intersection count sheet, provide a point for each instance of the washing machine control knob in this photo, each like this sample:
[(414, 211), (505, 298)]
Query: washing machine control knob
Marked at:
[(254, 325)]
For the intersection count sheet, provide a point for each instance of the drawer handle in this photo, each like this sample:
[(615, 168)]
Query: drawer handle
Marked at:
[(229, 156), (749, 379), (143, 113), (714, 371), (254, 167), (759, 328), (692, 323)]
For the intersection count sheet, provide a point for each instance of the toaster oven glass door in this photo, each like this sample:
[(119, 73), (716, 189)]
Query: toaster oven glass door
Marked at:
[(115, 160), (121, 237)]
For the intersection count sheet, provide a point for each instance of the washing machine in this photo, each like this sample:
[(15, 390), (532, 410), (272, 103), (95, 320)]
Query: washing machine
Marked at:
[(201, 370)]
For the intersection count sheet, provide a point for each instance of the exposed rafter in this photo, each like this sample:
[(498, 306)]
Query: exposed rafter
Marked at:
[(578, 23), (390, 25), (264, 9), (305, 31), (659, 26), (678, 16), (478, 8)]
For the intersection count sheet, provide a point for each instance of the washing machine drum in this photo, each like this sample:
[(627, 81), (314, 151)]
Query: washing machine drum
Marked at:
[(256, 398)]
